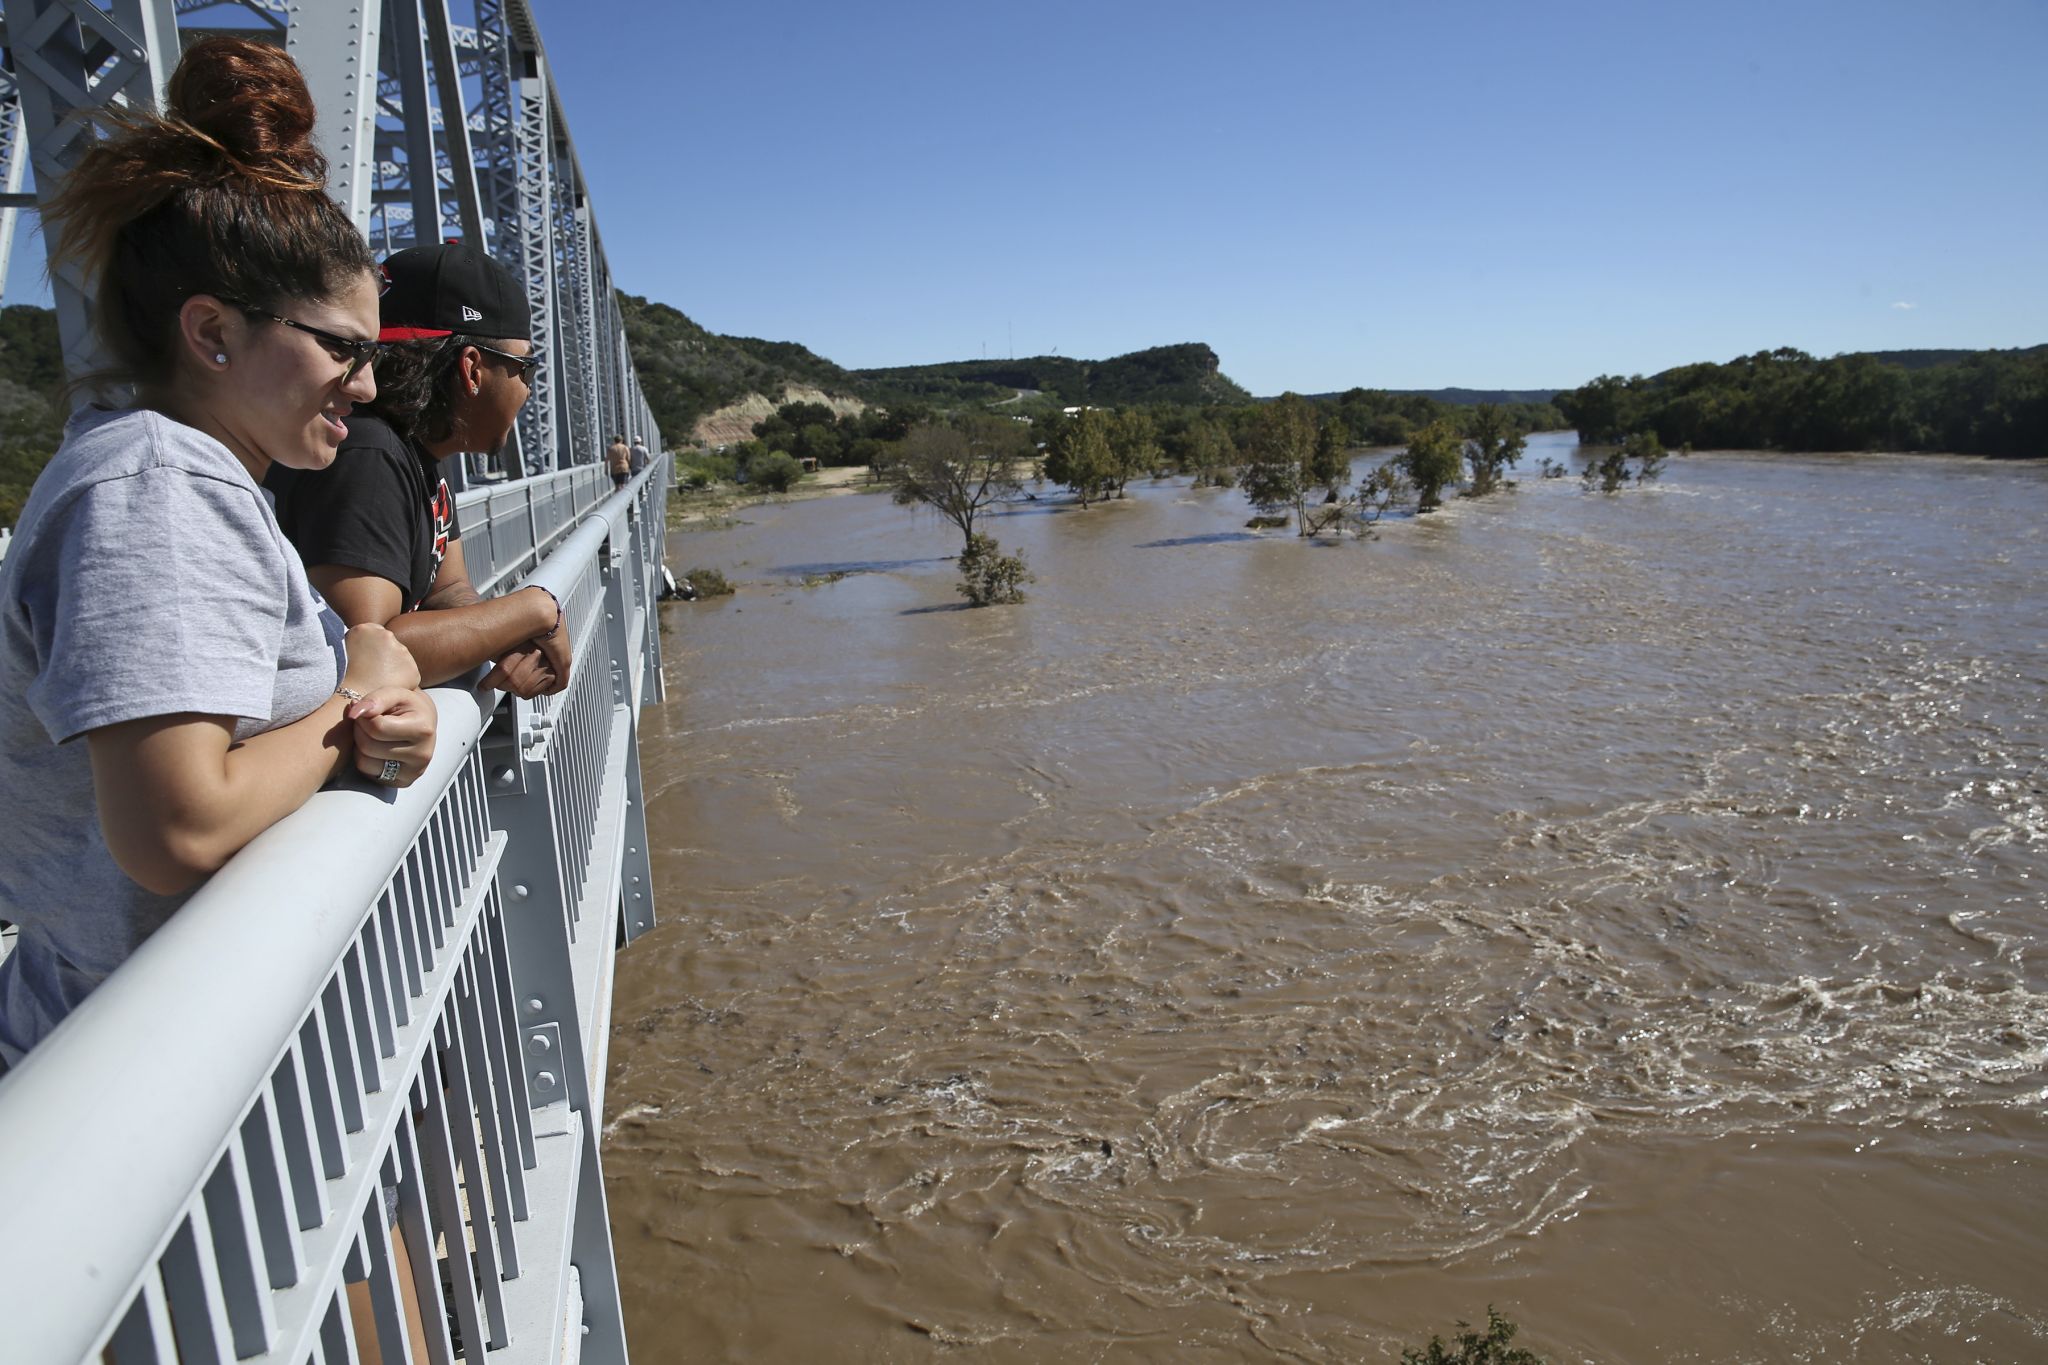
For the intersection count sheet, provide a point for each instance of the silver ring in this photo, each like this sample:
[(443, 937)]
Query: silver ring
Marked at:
[(392, 768)]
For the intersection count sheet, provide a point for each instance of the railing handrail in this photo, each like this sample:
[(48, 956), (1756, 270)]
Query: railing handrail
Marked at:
[(111, 1126), (159, 1049)]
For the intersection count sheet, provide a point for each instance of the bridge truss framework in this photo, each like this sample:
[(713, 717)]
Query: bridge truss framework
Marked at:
[(440, 120)]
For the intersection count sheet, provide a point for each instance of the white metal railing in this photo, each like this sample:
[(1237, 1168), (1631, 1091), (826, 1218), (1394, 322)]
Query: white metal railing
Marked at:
[(508, 528), (375, 1039)]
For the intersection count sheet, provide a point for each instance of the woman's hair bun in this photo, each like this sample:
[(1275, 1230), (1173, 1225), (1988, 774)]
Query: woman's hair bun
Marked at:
[(251, 99)]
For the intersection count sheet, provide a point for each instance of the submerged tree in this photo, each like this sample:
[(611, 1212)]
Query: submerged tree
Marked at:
[(988, 577), (1613, 471), (959, 469), (1494, 1346), (1211, 454), (1433, 460), (1377, 494), (1078, 455), (1297, 463), (1134, 447), (1492, 448)]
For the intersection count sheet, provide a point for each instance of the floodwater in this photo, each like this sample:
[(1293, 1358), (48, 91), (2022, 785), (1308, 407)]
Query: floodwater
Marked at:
[(1626, 911)]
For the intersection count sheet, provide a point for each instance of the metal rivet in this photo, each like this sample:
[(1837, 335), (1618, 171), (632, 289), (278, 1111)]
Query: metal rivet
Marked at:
[(519, 890), (535, 1005), (538, 1044), (544, 1080)]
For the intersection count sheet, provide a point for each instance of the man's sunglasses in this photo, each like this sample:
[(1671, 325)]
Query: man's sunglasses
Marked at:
[(526, 364), (359, 354)]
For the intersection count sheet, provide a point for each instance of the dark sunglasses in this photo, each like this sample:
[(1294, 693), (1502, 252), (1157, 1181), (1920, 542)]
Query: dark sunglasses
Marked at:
[(359, 354), (526, 364)]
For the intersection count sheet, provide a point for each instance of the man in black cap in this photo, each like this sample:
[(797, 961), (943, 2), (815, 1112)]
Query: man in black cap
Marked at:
[(377, 528)]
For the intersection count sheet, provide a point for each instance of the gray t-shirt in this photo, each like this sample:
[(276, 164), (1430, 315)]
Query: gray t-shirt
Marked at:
[(147, 577)]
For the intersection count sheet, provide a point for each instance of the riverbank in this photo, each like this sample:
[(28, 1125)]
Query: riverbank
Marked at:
[(710, 507)]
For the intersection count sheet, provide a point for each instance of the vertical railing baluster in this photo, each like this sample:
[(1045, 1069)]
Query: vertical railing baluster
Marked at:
[(284, 1254), (339, 1037), (415, 1223), (490, 1113), (145, 1336), (317, 1076), (297, 1137), (369, 1049), (337, 1333), (192, 1287), (439, 1153), (504, 1023), (381, 1273), (462, 1108), (391, 972), (244, 1283)]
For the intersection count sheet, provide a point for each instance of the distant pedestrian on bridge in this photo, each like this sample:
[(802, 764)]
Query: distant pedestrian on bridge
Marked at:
[(639, 455), (149, 606), (618, 458), (378, 529)]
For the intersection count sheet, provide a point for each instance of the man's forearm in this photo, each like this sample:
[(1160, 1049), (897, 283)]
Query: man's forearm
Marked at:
[(450, 641)]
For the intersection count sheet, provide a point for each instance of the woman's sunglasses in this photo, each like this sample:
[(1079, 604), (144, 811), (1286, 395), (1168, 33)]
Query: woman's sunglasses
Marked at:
[(526, 364), (359, 354)]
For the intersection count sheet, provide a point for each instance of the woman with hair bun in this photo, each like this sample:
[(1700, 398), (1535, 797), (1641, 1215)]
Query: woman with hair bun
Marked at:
[(170, 685)]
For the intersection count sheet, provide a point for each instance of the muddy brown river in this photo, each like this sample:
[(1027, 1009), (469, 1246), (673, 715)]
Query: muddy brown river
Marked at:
[(1626, 911)]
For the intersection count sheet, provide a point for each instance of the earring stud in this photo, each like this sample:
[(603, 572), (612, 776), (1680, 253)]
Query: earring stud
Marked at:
[(220, 357)]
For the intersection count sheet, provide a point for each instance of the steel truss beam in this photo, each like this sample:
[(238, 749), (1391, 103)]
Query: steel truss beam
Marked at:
[(431, 126)]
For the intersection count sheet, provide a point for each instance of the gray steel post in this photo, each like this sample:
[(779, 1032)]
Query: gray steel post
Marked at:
[(455, 124), (335, 43), (74, 56), (406, 38), (539, 423), (14, 150)]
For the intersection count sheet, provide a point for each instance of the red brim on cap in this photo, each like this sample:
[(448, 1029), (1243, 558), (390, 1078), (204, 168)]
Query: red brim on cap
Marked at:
[(413, 333)]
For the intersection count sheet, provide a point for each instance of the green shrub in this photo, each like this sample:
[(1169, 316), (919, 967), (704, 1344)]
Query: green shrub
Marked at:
[(1472, 1348), (1611, 472), (709, 583), (777, 470), (989, 577)]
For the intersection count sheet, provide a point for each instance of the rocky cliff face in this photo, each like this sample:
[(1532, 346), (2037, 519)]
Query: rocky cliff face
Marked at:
[(734, 422)]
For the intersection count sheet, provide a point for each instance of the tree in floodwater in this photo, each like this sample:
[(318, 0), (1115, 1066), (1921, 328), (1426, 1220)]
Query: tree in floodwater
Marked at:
[(1612, 472), (1469, 1347), (1211, 455), (1377, 494), (1329, 464), (1134, 447), (1492, 447), (1434, 459), (1079, 456), (1295, 462), (988, 577), (958, 469)]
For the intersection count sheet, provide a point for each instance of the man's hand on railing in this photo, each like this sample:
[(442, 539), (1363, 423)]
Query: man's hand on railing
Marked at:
[(526, 673)]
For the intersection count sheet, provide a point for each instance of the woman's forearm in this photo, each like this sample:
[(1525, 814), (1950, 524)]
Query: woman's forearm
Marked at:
[(177, 798)]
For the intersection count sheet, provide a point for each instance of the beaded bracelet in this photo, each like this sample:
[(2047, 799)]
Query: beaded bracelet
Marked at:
[(557, 626)]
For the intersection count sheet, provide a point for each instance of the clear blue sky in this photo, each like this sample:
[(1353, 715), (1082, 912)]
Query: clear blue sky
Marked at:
[(1400, 195), (1390, 194)]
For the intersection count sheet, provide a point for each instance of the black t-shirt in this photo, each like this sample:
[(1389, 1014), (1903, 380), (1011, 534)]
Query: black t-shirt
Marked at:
[(382, 507)]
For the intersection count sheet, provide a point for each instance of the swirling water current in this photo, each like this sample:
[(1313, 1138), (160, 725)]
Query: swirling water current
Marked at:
[(1623, 910)]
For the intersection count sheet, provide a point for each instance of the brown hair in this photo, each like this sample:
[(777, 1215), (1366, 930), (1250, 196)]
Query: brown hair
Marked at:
[(224, 194)]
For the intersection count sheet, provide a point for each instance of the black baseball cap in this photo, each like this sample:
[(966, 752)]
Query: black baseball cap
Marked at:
[(435, 291)]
